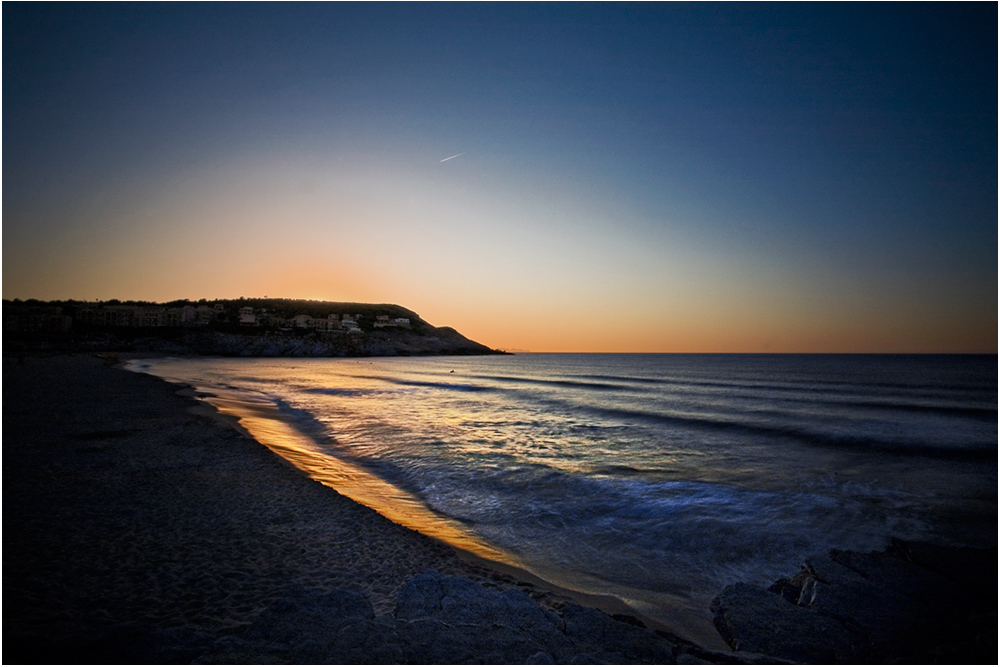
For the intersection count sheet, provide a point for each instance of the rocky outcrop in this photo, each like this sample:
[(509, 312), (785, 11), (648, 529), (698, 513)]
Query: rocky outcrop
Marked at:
[(440, 619), (306, 627), (914, 602)]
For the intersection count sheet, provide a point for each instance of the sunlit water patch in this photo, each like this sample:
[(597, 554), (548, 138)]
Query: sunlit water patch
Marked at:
[(657, 479)]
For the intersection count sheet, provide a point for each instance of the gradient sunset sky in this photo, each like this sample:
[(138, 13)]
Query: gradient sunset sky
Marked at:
[(630, 177)]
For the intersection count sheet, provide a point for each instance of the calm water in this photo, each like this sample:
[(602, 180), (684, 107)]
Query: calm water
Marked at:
[(655, 478)]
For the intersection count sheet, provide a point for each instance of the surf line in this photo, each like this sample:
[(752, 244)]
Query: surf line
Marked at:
[(264, 424)]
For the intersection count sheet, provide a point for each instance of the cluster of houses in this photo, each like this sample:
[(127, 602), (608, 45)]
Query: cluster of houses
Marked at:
[(149, 316), (332, 322), (48, 319), (53, 318)]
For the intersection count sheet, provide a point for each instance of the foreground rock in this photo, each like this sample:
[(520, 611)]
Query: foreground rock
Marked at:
[(439, 619), (442, 619), (913, 603)]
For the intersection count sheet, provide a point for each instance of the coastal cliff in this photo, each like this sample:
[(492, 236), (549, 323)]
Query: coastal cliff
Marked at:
[(234, 327)]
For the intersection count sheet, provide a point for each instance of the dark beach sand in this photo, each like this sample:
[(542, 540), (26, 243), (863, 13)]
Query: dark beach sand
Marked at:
[(140, 526), (124, 504)]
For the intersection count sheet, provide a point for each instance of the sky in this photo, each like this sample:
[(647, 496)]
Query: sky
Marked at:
[(629, 177)]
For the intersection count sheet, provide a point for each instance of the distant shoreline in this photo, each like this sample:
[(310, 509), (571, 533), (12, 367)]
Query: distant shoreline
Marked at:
[(238, 328)]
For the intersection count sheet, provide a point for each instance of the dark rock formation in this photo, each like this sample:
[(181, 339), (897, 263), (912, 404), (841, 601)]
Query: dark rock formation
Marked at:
[(438, 620), (451, 620), (305, 627), (609, 640), (914, 602)]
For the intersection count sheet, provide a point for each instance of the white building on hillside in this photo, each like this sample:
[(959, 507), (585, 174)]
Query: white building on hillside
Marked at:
[(247, 318)]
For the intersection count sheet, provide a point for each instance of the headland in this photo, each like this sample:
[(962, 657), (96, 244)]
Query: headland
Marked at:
[(230, 327)]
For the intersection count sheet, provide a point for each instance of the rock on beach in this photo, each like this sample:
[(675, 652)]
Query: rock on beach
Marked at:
[(912, 603), (439, 619)]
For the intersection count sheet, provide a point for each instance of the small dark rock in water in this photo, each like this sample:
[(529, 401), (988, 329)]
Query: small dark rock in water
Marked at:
[(913, 602)]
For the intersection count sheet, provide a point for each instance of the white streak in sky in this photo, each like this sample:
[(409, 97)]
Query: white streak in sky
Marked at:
[(452, 157)]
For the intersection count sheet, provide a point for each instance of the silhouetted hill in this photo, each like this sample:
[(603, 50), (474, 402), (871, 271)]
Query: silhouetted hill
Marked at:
[(230, 327)]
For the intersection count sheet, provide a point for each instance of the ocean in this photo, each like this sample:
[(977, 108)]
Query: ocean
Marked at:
[(657, 479)]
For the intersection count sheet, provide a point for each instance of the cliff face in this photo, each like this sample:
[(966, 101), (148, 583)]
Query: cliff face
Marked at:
[(244, 328)]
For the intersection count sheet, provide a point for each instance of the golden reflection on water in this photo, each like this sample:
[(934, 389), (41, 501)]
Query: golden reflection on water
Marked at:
[(352, 481), (672, 613)]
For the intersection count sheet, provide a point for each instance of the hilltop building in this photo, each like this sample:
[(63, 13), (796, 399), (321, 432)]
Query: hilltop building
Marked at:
[(247, 318), (382, 321)]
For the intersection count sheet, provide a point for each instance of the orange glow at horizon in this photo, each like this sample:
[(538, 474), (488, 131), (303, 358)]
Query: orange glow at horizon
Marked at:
[(549, 272), (700, 198)]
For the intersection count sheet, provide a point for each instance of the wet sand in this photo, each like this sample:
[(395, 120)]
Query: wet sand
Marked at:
[(124, 503)]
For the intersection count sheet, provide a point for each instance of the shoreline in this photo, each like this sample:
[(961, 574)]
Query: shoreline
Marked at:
[(142, 526), (119, 496), (264, 425), (129, 504)]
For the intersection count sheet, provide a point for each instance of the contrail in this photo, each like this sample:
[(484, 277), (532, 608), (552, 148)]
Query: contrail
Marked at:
[(452, 157)]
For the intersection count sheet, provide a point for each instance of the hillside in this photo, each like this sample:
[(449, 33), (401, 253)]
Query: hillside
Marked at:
[(266, 327)]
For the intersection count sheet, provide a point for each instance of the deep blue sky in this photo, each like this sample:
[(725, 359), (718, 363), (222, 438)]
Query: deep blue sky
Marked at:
[(633, 177)]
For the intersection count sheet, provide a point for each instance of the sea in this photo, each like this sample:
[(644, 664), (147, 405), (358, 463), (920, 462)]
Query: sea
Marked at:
[(652, 479)]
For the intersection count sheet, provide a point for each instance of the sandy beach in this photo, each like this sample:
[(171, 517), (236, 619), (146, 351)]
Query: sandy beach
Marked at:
[(140, 526), (124, 505)]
